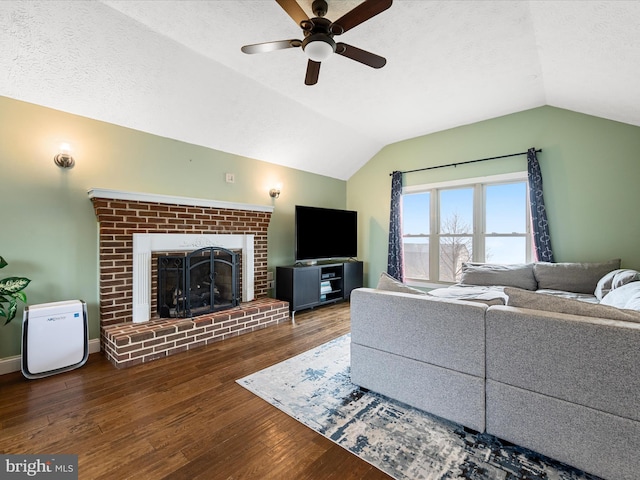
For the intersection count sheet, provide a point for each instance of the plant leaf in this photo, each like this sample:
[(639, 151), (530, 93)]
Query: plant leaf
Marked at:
[(3, 263), (21, 296), (13, 284), (13, 308)]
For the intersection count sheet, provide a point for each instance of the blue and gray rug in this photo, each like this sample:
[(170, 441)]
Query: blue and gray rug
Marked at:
[(315, 388)]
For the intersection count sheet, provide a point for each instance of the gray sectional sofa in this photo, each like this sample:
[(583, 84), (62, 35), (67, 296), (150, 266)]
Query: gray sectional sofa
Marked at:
[(558, 375)]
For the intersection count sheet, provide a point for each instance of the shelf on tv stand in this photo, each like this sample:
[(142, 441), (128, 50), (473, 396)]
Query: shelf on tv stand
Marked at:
[(301, 285)]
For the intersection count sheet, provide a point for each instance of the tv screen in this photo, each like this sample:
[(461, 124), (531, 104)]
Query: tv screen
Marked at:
[(325, 233)]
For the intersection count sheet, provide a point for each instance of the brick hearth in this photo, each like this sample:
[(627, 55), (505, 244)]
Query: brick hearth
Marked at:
[(120, 215), (129, 344)]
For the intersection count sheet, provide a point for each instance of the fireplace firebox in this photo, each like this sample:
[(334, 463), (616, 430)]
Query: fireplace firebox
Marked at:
[(199, 282)]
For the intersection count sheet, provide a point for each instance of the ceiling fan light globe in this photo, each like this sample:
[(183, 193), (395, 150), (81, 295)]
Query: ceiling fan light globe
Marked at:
[(319, 48)]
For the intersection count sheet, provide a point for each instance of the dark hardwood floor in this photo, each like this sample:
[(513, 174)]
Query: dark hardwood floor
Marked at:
[(182, 417)]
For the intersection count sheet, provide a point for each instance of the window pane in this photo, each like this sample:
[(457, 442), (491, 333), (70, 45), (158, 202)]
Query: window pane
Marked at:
[(456, 210), (506, 207), (416, 258), (453, 252), (415, 214), (503, 235), (505, 250)]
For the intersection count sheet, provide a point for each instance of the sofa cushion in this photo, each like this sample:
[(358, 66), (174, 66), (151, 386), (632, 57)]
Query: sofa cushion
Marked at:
[(488, 274), (590, 362), (445, 333), (387, 282), (614, 279), (572, 277), (626, 296), (539, 301)]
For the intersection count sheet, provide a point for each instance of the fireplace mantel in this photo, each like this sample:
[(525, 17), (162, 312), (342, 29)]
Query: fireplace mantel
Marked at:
[(174, 200)]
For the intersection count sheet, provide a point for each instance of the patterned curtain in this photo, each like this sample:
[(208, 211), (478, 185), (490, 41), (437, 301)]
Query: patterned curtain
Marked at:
[(541, 238), (395, 259)]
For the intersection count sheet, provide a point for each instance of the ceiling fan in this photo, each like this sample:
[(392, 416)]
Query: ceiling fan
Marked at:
[(318, 43)]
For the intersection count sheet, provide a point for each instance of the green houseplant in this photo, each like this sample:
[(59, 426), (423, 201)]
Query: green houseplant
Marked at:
[(10, 292)]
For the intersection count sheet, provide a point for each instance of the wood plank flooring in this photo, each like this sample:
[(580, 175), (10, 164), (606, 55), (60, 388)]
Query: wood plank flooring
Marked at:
[(182, 417)]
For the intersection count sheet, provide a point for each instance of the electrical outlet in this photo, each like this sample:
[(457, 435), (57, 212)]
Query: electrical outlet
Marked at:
[(230, 178), (270, 275)]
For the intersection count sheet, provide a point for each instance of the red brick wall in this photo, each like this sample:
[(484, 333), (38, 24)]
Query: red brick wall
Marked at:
[(120, 219)]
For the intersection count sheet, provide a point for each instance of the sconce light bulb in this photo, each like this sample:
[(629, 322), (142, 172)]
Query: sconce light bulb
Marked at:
[(64, 158), (275, 191)]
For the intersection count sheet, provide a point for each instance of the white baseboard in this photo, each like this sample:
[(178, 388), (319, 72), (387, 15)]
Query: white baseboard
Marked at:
[(13, 364)]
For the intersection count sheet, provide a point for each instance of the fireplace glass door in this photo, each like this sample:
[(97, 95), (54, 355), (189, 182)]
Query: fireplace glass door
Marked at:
[(199, 282)]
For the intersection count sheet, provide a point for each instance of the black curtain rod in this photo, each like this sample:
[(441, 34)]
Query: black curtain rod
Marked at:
[(464, 163)]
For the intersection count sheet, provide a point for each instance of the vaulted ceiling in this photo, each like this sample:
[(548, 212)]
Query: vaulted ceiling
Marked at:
[(174, 68)]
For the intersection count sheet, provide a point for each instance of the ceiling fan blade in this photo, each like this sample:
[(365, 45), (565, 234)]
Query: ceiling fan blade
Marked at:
[(361, 13), (271, 46), (294, 10), (359, 55), (313, 71)]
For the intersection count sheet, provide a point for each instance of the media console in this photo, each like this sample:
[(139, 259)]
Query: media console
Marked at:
[(308, 286)]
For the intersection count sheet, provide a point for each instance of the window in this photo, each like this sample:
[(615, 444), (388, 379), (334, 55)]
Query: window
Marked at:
[(480, 220)]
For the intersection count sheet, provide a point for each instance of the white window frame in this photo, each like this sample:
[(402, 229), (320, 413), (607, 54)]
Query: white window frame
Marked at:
[(479, 185)]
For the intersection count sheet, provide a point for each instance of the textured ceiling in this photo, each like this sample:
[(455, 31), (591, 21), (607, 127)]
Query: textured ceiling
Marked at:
[(174, 68)]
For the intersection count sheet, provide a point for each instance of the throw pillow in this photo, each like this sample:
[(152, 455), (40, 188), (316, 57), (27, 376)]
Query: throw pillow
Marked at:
[(387, 282), (550, 303), (633, 303), (488, 274), (615, 279), (624, 296), (572, 277)]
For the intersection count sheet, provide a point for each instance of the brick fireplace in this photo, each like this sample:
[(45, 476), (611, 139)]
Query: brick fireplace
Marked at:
[(129, 225)]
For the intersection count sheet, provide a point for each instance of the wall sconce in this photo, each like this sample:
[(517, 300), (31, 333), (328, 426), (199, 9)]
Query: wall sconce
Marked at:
[(275, 191), (64, 158)]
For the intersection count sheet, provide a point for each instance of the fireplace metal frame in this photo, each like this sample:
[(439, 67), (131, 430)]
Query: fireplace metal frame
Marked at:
[(184, 266)]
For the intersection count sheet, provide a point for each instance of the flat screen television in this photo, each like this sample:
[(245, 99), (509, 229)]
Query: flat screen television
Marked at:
[(325, 233)]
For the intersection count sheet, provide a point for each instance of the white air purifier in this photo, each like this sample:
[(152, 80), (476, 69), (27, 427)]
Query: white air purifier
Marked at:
[(55, 338)]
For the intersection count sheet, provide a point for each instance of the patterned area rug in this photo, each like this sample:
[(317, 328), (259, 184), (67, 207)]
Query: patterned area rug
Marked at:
[(315, 388)]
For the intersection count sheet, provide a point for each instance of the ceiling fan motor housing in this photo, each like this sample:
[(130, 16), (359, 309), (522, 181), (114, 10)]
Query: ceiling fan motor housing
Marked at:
[(319, 8)]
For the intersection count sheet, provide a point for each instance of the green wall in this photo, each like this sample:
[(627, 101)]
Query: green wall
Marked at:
[(48, 230), (590, 167)]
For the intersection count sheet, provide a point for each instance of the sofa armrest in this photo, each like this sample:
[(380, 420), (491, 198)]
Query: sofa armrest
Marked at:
[(442, 332)]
